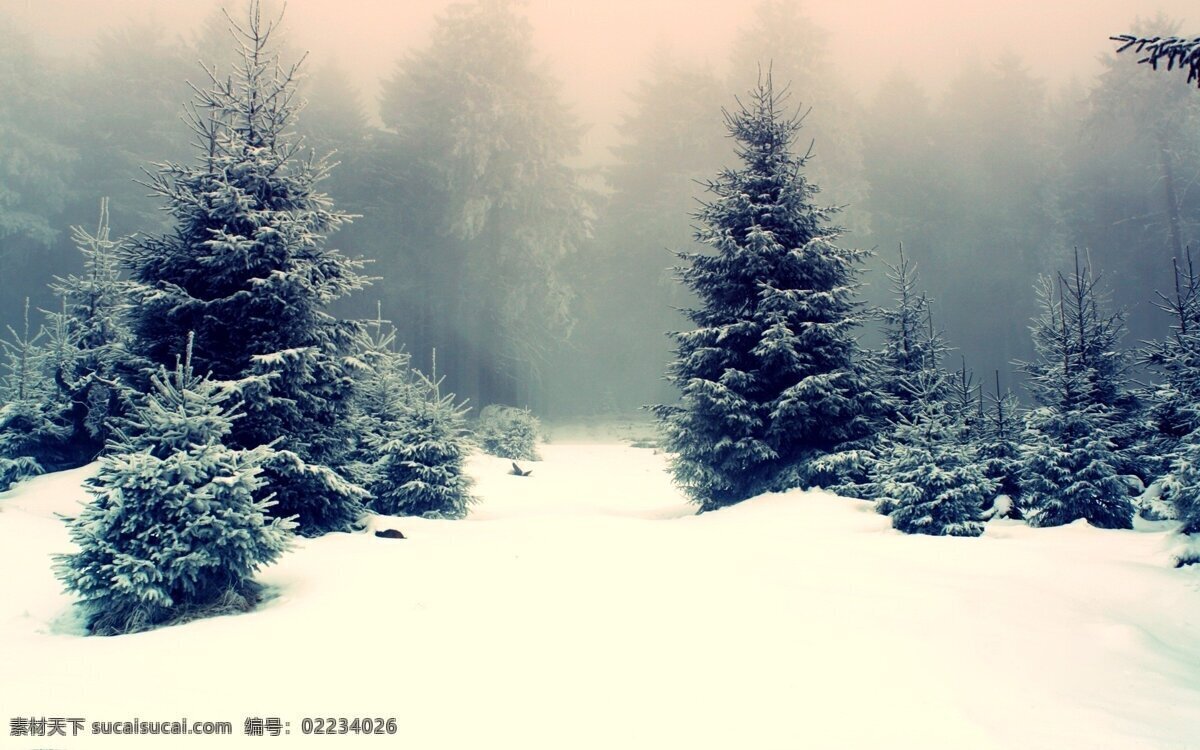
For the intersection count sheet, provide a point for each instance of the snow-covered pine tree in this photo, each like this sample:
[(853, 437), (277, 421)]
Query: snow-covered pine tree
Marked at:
[(385, 386), (912, 353), (1000, 428), (508, 432), (934, 429), (15, 468), (966, 401), (33, 427), (1068, 469), (927, 473), (421, 452), (484, 143), (1174, 403), (1176, 359), (1068, 453), (1182, 486), (771, 379), (91, 341), (908, 346), (413, 440), (177, 525), (246, 268)]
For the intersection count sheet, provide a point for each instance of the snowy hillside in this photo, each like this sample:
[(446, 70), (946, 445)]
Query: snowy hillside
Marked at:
[(586, 606)]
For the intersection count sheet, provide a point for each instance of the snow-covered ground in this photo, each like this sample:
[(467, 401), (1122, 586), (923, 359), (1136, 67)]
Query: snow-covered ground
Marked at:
[(585, 606)]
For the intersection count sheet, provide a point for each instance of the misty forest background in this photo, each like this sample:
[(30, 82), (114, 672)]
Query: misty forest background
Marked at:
[(544, 281)]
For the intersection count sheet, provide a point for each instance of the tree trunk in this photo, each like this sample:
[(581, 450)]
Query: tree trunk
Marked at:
[(1164, 160)]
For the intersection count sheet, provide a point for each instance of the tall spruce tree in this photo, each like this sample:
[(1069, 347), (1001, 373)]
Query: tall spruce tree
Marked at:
[(770, 378), (783, 32), (669, 142), (489, 206), (1136, 208), (36, 156), (1069, 451), (246, 268)]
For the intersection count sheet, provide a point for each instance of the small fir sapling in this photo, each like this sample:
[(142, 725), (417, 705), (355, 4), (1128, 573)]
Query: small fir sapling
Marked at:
[(421, 455), (999, 447), (33, 426), (909, 343), (508, 432), (414, 444), (1069, 455), (1175, 402), (91, 340), (177, 526), (928, 475)]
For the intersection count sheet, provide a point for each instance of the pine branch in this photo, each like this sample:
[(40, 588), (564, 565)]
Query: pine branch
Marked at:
[(1175, 51)]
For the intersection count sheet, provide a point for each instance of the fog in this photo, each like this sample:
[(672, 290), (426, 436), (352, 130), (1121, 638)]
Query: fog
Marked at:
[(598, 48), (990, 138)]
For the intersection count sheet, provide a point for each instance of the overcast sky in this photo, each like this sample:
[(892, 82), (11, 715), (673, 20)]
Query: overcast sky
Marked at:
[(597, 46)]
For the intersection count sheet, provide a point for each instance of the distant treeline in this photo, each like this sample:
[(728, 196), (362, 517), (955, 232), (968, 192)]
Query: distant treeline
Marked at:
[(542, 283)]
